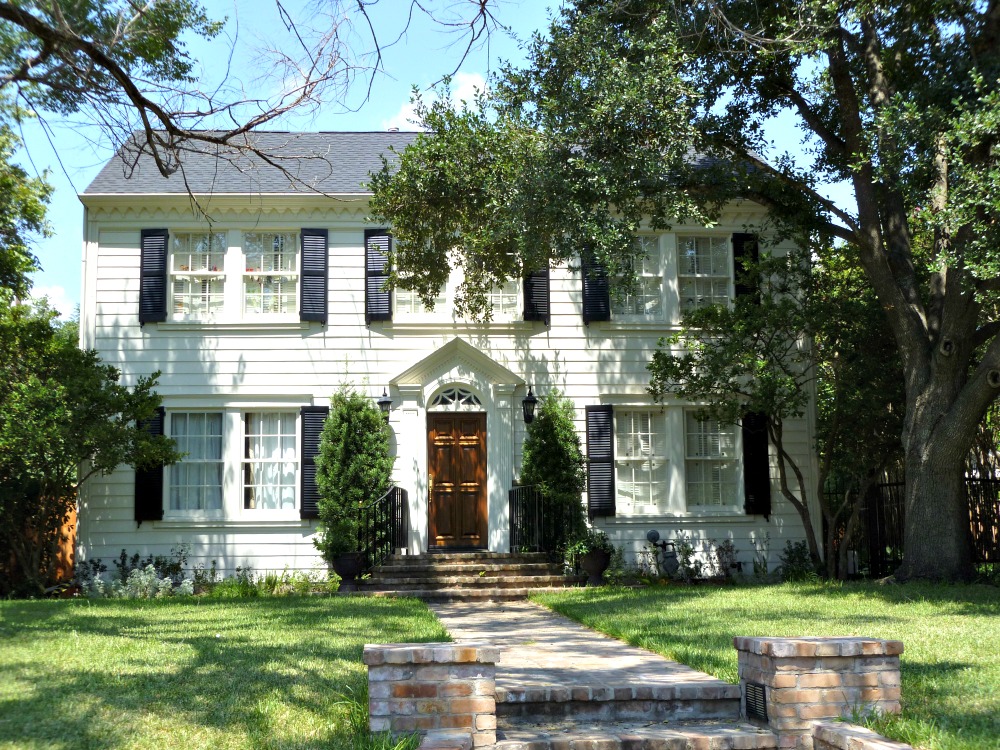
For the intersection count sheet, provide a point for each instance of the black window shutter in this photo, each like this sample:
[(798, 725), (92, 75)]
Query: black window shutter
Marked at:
[(315, 265), (600, 461), (596, 296), (313, 418), (153, 275), (378, 301), (149, 481), (756, 471), (536, 296), (746, 252)]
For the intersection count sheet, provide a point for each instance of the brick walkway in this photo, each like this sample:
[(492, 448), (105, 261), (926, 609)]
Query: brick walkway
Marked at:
[(543, 651)]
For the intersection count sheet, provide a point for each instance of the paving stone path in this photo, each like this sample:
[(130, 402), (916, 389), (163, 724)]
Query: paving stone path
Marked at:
[(542, 650)]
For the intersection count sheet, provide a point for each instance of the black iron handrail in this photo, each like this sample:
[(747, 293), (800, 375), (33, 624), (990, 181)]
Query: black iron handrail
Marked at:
[(540, 526), (526, 519), (385, 526)]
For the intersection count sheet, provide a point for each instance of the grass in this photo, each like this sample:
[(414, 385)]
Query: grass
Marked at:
[(259, 673), (951, 635)]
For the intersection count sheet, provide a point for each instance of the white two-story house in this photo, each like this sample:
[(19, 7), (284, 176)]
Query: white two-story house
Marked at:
[(262, 294)]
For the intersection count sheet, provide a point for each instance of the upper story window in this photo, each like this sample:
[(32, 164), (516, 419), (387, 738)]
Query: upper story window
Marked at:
[(505, 301), (704, 270), (270, 281), (711, 462), (234, 275), (645, 298), (197, 273)]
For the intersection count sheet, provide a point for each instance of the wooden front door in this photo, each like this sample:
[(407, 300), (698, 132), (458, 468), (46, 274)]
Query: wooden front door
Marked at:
[(456, 458)]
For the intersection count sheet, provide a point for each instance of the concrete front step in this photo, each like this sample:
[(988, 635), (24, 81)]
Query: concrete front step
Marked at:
[(680, 700), (429, 567), (466, 594), (694, 735), (453, 581), (464, 557)]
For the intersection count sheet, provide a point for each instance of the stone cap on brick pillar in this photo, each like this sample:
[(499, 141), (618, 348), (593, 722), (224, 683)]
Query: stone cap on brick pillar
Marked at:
[(465, 652), (818, 646)]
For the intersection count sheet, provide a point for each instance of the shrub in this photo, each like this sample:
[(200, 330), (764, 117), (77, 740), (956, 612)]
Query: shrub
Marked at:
[(796, 563), (354, 467), (140, 583), (553, 462)]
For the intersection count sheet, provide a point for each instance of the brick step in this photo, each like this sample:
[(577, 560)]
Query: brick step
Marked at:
[(439, 558), (646, 735), (467, 595), (681, 700), (469, 568), (443, 581)]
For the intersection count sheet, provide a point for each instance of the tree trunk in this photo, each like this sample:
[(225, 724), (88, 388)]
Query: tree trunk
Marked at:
[(936, 543)]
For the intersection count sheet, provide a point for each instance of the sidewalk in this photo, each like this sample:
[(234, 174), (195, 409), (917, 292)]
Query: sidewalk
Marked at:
[(544, 651)]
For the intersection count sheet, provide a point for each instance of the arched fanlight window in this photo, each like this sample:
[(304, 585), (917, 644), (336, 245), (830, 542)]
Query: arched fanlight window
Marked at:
[(456, 399)]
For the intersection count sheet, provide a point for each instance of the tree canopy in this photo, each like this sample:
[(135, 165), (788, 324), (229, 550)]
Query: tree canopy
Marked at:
[(660, 109)]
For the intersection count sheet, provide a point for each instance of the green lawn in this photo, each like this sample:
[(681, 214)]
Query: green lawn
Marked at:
[(950, 668), (239, 674)]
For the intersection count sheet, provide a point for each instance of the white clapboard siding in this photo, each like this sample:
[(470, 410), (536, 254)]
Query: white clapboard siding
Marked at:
[(286, 365)]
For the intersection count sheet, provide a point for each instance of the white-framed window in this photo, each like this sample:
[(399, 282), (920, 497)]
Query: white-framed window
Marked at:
[(270, 279), (504, 301), (711, 462), (233, 276), (704, 270), (645, 298), (270, 460), (195, 482), (197, 273), (640, 459), (239, 464)]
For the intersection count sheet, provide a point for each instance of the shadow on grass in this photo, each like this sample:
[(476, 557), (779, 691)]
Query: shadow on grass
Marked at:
[(159, 674)]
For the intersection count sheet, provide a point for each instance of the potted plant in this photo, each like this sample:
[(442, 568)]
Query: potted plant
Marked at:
[(592, 551), (353, 468)]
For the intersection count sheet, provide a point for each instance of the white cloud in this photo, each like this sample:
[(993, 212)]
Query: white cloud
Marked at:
[(58, 299), (463, 88)]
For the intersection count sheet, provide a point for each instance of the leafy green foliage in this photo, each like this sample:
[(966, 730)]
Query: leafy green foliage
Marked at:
[(553, 461), (658, 111), (518, 180), (353, 468), (22, 214), (814, 324), (64, 416)]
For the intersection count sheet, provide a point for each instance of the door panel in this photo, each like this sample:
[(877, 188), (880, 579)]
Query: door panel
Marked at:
[(456, 452)]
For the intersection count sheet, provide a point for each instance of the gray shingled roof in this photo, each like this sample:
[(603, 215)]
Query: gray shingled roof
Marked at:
[(336, 163)]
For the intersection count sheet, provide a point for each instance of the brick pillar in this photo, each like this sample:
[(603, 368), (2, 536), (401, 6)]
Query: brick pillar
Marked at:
[(423, 687), (810, 679)]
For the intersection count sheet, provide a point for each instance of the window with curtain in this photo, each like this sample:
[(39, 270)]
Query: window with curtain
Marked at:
[(270, 461), (704, 271), (197, 274), (270, 281), (196, 480), (710, 463), (640, 458)]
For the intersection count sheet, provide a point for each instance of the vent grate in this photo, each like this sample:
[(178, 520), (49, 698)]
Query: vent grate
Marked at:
[(756, 704)]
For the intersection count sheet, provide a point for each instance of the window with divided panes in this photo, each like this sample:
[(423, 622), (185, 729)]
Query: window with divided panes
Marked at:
[(195, 481), (704, 270), (270, 281), (640, 458), (711, 462), (198, 274), (270, 461), (645, 298)]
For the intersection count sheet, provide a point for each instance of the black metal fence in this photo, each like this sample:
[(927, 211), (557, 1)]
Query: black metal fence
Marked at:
[(875, 548), (385, 526), (536, 526)]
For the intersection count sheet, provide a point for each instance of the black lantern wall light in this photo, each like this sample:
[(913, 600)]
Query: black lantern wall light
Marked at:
[(384, 404), (528, 403)]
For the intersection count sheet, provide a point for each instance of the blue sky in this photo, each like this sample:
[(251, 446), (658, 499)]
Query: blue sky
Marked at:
[(420, 58)]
